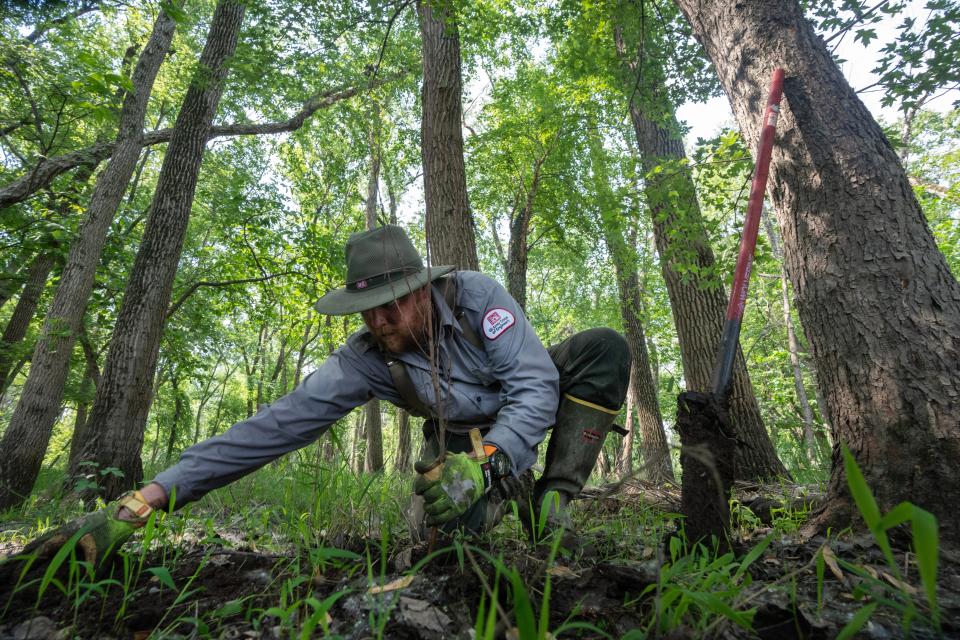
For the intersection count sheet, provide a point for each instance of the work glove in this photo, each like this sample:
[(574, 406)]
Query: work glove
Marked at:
[(101, 533), (463, 479)]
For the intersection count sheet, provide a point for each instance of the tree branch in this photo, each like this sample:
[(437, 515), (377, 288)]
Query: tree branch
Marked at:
[(49, 168), (223, 283)]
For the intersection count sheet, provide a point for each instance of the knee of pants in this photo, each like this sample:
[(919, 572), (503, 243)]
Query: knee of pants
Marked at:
[(610, 344), (599, 367)]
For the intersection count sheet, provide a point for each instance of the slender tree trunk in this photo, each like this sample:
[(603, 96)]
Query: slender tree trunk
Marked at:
[(404, 462), (653, 439), (91, 378), (698, 302), (875, 296), (305, 342), (374, 458), (449, 222), (119, 414), (404, 442), (793, 347), (519, 249), (625, 460), (177, 417), (19, 322), (37, 275), (27, 436)]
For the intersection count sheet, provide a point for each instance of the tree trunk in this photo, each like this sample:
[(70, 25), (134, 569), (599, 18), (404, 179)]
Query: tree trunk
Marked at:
[(449, 223), (178, 412), (19, 322), (697, 299), (625, 460), (374, 458), (119, 414), (875, 296), (793, 347), (37, 275), (519, 249), (404, 442), (26, 438), (698, 305), (91, 378), (653, 439)]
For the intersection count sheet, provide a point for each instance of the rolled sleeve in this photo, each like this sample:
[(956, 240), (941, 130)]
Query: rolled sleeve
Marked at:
[(528, 379), (292, 422)]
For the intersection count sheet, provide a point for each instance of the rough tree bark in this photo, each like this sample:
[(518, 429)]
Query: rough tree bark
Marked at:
[(449, 222), (876, 298), (119, 413), (27, 436), (698, 305)]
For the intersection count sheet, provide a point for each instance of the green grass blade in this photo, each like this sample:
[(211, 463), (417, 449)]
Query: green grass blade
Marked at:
[(860, 491), (856, 622), (926, 545), (752, 556)]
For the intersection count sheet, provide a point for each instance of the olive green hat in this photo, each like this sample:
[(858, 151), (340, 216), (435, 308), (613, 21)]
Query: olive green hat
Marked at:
[(382, 265)]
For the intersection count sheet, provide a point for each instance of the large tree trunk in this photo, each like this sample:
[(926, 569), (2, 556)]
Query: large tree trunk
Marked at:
[(449, 223), (119, 413), (877, 301), (654, 447), (26, 438)]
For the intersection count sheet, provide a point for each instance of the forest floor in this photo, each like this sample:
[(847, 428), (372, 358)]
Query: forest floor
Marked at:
[(263, 571)]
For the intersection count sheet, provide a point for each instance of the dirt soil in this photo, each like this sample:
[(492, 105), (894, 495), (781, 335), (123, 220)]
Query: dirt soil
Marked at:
[(442, 599)]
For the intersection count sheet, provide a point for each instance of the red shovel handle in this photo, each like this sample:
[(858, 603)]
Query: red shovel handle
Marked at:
[(741, 277)]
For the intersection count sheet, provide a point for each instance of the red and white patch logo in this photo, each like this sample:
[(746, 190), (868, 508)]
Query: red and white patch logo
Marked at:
[(496, 321)]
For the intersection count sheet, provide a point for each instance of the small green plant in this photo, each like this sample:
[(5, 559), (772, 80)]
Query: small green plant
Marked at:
[(926, 544)]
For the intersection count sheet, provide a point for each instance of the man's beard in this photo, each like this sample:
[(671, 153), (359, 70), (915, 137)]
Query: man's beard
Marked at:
[(400, 340)]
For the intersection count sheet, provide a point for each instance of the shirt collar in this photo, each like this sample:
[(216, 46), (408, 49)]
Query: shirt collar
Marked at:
[(444, 312)]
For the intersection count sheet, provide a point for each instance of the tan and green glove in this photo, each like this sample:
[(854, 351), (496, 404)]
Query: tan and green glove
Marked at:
[(463, 479), (101, 533)]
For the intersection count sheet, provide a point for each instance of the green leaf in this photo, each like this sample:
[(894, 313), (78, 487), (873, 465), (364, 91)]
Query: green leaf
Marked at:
[(163, 575)]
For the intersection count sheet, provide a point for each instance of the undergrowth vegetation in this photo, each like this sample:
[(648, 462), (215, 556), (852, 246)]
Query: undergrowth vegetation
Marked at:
[(294, 553)]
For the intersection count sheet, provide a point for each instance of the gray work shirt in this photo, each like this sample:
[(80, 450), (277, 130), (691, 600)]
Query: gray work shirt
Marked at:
[(510, 382)]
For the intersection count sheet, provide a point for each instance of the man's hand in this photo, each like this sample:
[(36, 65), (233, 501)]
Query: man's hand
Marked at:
[(101, 533), (461, 482)]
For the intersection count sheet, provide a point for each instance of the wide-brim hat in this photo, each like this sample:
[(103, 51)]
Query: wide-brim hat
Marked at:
[(382, 265)]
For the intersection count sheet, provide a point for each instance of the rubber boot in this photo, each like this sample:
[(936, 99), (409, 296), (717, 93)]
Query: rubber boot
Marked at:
[(576, 442)]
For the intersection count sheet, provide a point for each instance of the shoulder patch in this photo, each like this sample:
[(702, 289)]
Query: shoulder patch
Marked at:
[(496, 321)]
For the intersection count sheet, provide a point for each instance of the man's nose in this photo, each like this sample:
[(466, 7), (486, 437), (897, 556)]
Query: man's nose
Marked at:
[(379, 316)]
